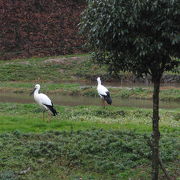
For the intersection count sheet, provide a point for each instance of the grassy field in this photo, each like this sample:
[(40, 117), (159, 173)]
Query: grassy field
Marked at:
[(54, 69), (83, 141), (59, 68), (61, 74)]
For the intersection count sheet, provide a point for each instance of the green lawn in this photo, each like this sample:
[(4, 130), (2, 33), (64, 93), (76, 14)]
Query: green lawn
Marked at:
[(83, 141)]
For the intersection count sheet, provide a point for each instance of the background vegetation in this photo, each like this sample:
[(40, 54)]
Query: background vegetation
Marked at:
[(83, 141), (86, 142), (62, 75), (40, 28)]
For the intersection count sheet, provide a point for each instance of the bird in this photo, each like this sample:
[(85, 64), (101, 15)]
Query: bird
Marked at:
[(103, 93), (43, 100)]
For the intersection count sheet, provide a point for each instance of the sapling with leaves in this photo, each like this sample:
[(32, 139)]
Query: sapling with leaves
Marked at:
[(142, 37)]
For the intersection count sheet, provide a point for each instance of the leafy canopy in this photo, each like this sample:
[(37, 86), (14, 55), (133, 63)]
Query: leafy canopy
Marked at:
[(133, 35)]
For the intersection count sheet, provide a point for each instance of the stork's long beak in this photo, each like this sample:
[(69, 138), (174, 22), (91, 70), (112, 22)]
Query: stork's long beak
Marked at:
[(32, 92)]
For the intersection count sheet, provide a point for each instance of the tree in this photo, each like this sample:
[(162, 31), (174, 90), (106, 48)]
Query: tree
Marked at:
[(141, 36)]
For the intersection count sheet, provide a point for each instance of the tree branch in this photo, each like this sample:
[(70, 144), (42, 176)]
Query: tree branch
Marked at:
[(164, 170), (149, 142)]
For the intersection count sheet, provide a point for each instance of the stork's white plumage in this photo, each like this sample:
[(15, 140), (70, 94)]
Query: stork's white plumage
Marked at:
[(43, 100), (103, 92)]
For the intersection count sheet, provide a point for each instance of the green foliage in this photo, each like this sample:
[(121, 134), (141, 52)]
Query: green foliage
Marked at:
[(107, 153), (138, 36), (8, 175), (89, 91), (170, 94), (82, 141)]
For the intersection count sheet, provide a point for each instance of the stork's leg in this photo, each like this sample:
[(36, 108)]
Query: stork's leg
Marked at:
[(43, 114), (49, 116), (103, 103)]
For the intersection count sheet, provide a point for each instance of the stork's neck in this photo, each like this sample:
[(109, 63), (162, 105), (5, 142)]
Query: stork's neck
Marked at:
[(36, 91), (99, 82)]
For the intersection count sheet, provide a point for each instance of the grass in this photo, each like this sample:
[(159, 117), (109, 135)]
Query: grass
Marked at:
[(20, 75), (28, 118), (86, 142), (91, 154), (83, 141), (59, 68), (48, 69)]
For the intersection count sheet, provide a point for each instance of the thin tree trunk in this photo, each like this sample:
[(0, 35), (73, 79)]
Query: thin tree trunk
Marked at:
[(155, 133), (149, 142)]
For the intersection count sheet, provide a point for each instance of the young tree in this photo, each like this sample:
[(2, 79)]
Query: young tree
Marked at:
[(141, 36)]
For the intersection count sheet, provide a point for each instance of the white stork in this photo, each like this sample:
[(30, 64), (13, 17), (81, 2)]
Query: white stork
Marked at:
[(103, 93), (43, 100)]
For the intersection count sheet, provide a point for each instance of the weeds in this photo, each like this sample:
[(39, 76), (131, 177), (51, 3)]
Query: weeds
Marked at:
[(95, 150), (83, 141)]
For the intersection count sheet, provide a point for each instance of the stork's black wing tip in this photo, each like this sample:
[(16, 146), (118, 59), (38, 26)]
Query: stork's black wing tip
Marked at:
[(51, 108)]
